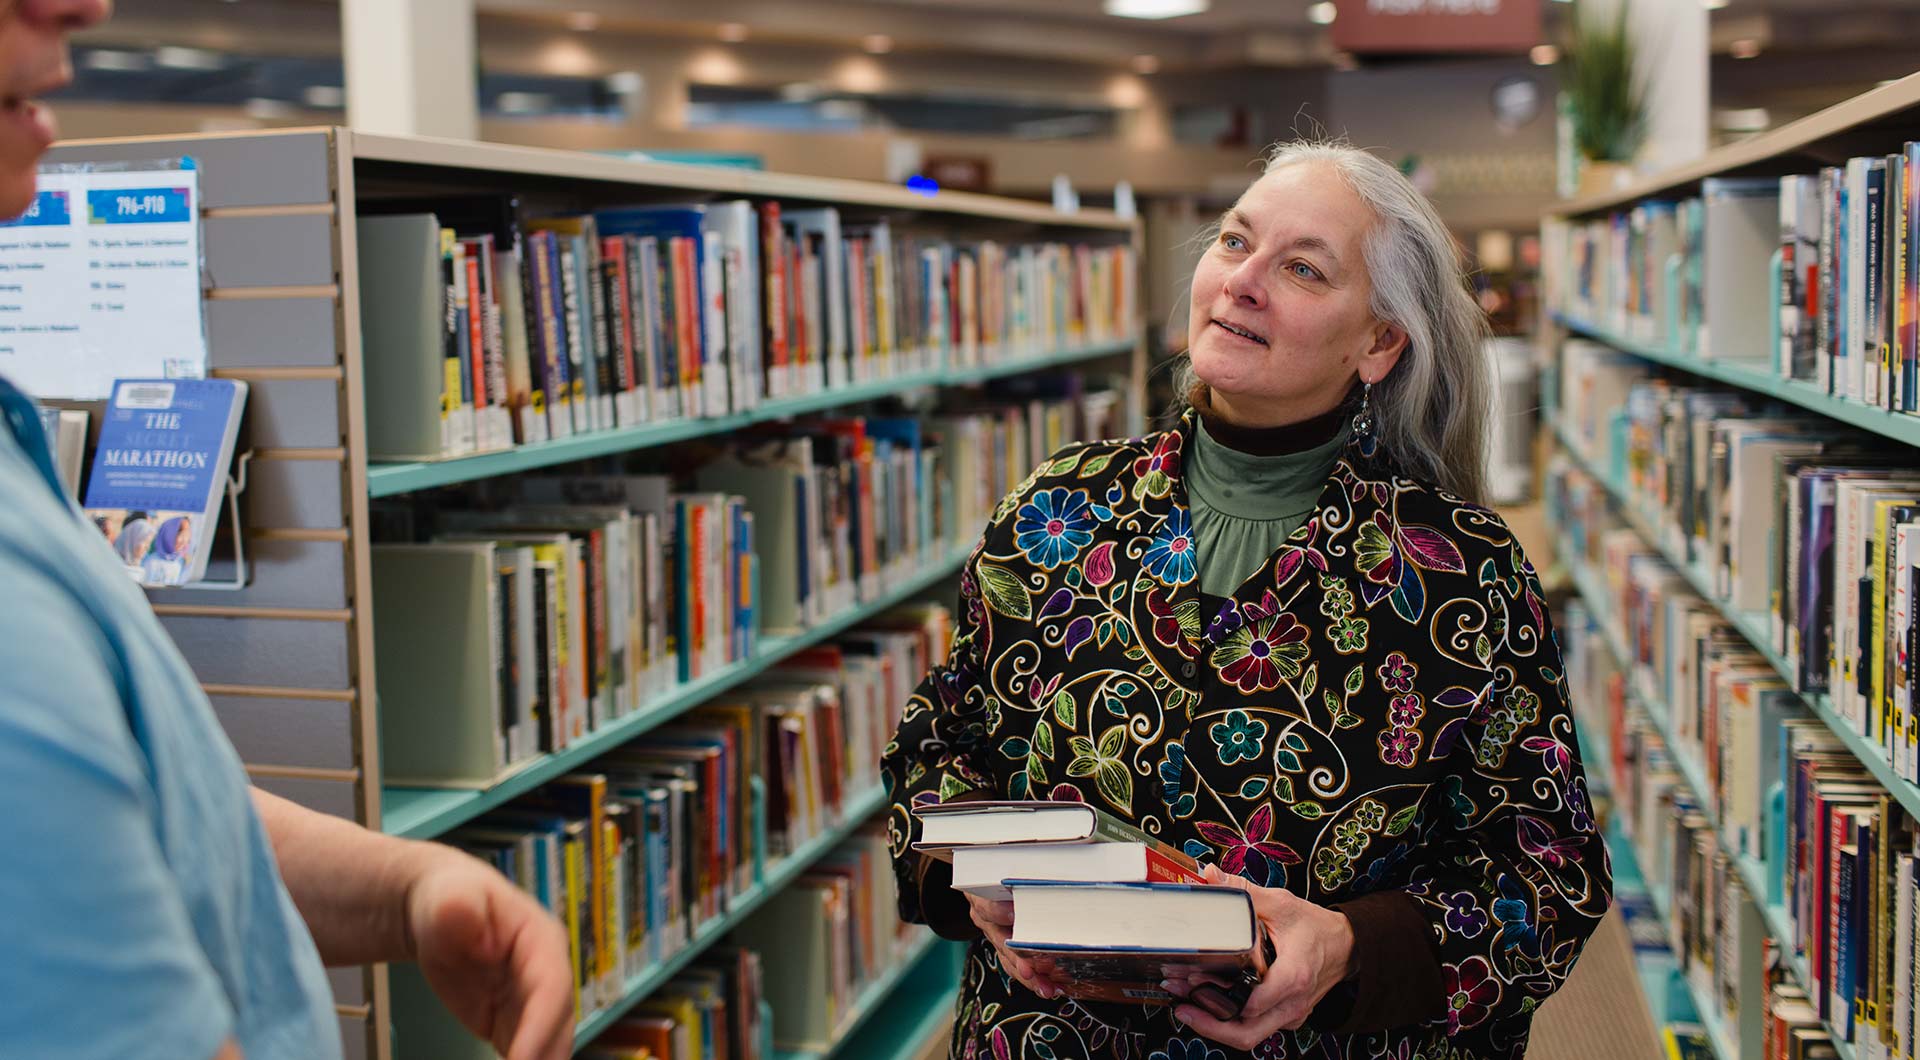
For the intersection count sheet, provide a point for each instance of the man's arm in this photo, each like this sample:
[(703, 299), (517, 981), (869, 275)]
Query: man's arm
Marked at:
[(492, 954)]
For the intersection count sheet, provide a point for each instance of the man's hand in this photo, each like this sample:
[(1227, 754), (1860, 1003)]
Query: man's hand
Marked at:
[(494, 956), (1312, 947), (995, 920)]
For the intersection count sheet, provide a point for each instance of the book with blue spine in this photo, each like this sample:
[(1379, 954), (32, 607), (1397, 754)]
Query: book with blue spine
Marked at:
[(159, 474)]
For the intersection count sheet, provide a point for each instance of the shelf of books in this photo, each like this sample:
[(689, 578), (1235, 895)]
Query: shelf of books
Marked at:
[(593, 511), (1736, 397)]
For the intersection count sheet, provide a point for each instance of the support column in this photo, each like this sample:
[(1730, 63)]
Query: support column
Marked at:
[(1673, 43), (412, 68)]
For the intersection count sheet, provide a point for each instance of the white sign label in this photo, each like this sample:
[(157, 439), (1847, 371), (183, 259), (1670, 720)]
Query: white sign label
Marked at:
[(100, 280)]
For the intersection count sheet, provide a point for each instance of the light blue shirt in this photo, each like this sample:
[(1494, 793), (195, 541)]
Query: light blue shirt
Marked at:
[(141, 913)]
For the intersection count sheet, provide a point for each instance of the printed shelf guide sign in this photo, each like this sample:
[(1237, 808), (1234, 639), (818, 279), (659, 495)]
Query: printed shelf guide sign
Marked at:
[(100, 280)]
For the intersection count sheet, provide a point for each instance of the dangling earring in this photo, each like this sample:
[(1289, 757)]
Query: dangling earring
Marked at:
[(1364, 421)]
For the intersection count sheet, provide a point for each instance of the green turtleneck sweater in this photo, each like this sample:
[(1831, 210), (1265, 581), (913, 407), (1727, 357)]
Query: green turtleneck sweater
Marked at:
[(1247, 494)]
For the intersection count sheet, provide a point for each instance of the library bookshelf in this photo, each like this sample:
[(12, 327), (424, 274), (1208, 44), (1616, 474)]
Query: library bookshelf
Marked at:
[(1648, 318), (289, 660)]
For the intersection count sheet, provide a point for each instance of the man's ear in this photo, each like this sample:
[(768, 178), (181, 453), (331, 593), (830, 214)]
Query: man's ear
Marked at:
[(1389, 342)]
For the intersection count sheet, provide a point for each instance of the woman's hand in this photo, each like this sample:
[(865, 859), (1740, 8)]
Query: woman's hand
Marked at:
[(494, 956), (995, 920), (1312, 946)]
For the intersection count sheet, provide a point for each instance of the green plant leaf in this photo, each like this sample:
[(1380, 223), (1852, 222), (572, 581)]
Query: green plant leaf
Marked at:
[(1312, 811), (1065, 709), (1096, 465), (1113, 741), (1004, 592), (1296, 741), (1043, 738), (1283, 789), (1287, 760), (1253, 788), (1064, 464), (1356, 678), (1311, 681)]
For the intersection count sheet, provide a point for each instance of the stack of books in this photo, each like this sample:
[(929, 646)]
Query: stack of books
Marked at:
[(486, 328), (1103, 907)]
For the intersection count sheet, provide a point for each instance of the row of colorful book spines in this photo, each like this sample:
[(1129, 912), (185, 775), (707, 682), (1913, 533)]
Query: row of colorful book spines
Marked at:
[(1874, 665), (1808, 484), (1827, 885), (710, 1011), (626, 333)]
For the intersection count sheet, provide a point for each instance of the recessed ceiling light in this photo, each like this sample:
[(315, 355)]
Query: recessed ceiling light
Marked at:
[(1154, 8), (1146, 64), (876, 43), (1744, 48), (583, 21), (1544, 55), (1713, 5), (733, 32), (1322, 14)]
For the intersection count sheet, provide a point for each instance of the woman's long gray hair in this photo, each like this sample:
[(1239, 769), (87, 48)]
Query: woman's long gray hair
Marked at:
[(1431, 411)]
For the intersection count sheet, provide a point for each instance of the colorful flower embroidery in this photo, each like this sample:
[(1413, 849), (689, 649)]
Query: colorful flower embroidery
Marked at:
[(1397, 746), (1260, 656), (1252, 853), (1350, 636), (1464, 916), (1154, 472), (1054, 526), (1471, 992), (1404, 712), (1170, 558), (1374, 552), (1238, 737), (1192, 1049), (1396, 673)]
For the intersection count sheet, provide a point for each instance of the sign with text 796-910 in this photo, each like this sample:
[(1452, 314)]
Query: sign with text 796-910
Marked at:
[(100, 280), (1403, 27)]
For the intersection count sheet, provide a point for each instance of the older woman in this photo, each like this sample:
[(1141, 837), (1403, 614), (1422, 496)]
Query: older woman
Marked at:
[(1284, 636)]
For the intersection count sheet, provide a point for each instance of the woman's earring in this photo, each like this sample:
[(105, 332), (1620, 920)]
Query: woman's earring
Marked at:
[(1363, 420)]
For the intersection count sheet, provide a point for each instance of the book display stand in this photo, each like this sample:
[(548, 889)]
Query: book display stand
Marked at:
[(287, 658), (236, 485), (1722, 929)]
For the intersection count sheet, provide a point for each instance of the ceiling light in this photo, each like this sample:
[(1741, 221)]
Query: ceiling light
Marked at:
[(1544, 55), (583, 21), (325, 97), (1153, 8), (1713, 5), (187, 59), (1744, 48), (108, 59), (1146, 64), (799, 92), (1322, 14), (877, 43), (733, 32), (626, 83)]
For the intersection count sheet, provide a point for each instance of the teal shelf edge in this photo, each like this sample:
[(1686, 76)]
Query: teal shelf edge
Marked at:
[(1751, 626), (920, 1004), (779, 875), (1900, 426), (386, 480), (1752, 873), (1656, 971), (871, 998), (423, 813)]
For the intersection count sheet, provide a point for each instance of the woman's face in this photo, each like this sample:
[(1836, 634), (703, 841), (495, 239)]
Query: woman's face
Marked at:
[(1280, 324), (33, 62)]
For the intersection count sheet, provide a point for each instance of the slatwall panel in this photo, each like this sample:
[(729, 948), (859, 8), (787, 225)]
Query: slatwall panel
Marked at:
[(279, 656)]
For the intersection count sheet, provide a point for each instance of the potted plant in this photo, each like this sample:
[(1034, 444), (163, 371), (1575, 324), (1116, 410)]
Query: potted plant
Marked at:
[(1606, 97)]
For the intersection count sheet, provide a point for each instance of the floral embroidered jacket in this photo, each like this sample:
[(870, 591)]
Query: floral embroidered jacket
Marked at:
[(1381, 706)]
